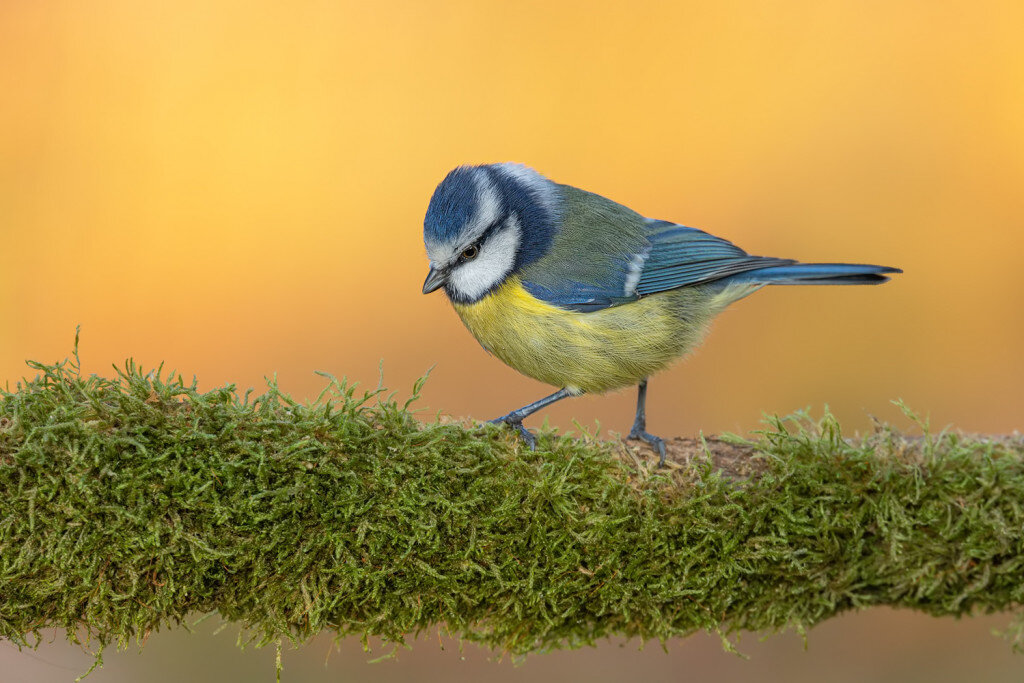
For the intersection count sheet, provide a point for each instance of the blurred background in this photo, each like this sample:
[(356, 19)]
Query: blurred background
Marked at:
[(237, 189)]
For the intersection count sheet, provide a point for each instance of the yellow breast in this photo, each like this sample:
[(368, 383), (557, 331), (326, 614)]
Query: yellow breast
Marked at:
[(592, 352)]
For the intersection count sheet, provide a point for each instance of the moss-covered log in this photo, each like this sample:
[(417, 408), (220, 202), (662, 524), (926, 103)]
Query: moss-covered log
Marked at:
[(128, 503)]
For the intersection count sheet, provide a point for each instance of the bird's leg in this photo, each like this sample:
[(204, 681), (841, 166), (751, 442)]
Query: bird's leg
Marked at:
[(639, 430), (516, 417)]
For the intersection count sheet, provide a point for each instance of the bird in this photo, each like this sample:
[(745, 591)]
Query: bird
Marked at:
[(582, 293)]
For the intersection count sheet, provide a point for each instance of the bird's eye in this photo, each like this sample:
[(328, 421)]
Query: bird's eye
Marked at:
[(470, 252)]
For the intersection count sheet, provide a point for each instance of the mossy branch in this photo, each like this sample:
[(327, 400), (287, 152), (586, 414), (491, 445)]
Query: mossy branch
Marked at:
[(129, 503)]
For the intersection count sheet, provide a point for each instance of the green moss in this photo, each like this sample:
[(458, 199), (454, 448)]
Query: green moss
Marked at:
[(129, 503)]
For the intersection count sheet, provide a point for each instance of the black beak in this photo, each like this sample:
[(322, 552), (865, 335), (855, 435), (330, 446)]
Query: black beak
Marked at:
[(435, 279)]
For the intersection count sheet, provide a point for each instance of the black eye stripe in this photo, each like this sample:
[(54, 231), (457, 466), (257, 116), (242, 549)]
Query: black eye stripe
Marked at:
[(490, 229), (479, 241)]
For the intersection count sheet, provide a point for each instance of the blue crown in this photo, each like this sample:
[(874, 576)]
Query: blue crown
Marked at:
[(532, 198), (453, 203)]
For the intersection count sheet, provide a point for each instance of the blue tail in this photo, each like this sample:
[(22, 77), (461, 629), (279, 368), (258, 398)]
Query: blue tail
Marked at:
[(817, 274)]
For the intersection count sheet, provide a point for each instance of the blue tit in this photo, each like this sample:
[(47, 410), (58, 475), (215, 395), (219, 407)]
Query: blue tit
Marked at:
[(582, 293)]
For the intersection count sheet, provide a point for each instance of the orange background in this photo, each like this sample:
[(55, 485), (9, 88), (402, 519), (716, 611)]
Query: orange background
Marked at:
[(237, 189)]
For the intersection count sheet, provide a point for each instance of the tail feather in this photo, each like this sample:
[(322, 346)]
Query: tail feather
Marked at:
[(816, 274)]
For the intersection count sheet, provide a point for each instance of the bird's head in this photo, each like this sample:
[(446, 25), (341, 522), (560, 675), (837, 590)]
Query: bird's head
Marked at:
[(483, 224)]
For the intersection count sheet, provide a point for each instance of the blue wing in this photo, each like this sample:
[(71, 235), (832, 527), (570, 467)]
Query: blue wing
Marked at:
[(645, 257), (606, 254), (681, 257)]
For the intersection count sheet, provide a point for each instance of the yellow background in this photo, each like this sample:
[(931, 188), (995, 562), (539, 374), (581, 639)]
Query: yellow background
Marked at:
[(237, 189)]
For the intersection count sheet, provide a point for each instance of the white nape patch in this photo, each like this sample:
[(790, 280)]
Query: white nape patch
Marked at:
[(542, 189), (634, 271), (472, 279)]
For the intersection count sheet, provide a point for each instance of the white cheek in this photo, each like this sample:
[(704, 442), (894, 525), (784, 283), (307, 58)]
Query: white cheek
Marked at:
[(474, 278)]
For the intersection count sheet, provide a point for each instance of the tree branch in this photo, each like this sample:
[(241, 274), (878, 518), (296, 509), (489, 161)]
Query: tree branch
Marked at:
[(129, 503)]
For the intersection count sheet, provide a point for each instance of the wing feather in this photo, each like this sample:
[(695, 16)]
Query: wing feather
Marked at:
[(606, 255)]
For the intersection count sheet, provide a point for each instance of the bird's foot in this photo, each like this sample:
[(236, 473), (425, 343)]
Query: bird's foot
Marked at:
[(656, 442), (516, 421)]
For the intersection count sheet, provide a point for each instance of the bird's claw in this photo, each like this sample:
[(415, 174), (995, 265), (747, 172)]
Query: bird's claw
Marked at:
[(656, 442), (517, 422)]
